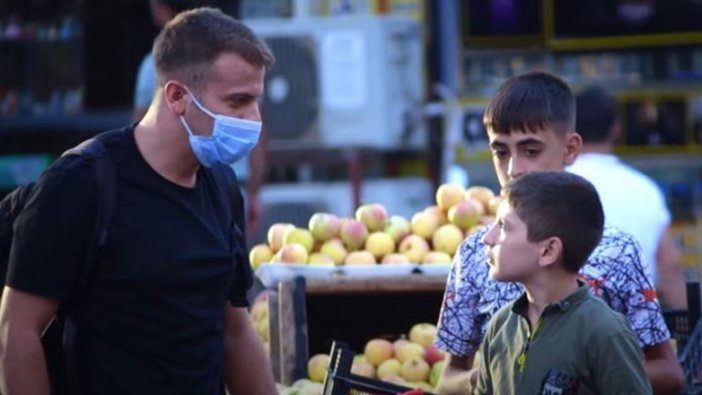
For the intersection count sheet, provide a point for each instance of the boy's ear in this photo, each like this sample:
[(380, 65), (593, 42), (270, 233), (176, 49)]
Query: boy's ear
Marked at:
[(551, 251), (573, 145)]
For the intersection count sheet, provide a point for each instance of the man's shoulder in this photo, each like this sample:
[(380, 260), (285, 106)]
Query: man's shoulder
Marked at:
[(609, 172), (79, 165), (636, 178), (617, 250), (614, 237), (116, 137)]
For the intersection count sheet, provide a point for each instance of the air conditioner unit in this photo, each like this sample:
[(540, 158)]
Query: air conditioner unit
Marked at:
[(351, 81)]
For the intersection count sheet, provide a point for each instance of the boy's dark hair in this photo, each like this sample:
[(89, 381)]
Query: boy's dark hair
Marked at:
[(189, 44), (559, 204), (529, 102), (597, 113)]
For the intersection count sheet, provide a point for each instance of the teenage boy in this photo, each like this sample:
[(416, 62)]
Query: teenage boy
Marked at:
[(531, 127), (544, 231)]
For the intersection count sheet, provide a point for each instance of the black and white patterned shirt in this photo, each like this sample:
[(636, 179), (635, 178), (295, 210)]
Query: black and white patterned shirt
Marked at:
[(613, 271)]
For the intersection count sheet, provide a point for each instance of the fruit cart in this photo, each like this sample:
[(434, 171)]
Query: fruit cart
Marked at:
[(374, 280), (308, 313)]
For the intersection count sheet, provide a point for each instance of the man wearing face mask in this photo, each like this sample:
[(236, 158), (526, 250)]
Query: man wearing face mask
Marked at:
[(166, 307), (250, 170)]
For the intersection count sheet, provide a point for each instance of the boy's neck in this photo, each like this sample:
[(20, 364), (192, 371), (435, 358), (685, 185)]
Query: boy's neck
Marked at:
[(546, 290)]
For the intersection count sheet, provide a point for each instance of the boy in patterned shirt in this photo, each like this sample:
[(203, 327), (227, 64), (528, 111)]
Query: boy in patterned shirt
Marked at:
[(546, 227), (531, 127)]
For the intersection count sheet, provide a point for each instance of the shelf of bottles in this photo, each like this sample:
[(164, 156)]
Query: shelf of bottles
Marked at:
[(41, 66), (631, 69)]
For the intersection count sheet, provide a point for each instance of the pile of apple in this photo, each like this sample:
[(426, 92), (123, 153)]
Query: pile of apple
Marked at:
[(259, 318), (301, 387), (372, 236), (411, 361)]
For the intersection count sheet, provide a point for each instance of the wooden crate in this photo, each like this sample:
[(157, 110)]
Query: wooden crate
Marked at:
[(307, 315)]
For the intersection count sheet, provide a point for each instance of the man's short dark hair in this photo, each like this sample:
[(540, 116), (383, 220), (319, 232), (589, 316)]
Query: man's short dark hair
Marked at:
[(189, 44), (529, 102), (559, 204), (597, 114), (178, 6)]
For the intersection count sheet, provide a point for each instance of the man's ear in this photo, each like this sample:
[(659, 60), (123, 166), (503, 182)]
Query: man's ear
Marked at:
[(573, 145), (176, 97), (551, 251)]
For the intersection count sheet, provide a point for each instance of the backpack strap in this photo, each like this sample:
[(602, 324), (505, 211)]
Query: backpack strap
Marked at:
[(106, 182), (94, 151)]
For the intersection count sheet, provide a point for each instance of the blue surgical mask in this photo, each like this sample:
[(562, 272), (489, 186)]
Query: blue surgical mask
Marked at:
[(232, 138)]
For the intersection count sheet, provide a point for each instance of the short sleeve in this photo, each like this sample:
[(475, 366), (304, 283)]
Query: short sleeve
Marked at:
[(618, 365), (54, 230), (145, 83), (243, 274), (459, 326), (628, 289)]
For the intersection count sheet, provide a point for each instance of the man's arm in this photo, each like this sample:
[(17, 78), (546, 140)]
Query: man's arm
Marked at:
[(459, 330), (23, 318), (247, 369), (257, 174), (663, 369), (671, 282), (458, 377)]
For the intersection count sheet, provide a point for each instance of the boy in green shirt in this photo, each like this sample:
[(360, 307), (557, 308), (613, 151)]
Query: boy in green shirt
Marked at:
[(556, 338)]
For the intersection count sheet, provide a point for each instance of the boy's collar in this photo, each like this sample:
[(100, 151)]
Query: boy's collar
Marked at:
[(520, 305)]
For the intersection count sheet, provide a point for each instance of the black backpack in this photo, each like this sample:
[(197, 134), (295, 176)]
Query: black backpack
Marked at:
[(58, 339)]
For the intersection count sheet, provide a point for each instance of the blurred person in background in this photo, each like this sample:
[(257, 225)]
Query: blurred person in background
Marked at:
[(250, 171), (632, 201)]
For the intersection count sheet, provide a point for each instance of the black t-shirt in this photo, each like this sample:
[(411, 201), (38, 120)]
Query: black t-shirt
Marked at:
[(153, 319)]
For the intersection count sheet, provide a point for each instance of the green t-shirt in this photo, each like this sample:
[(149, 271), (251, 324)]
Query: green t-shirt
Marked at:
[(580, 346)]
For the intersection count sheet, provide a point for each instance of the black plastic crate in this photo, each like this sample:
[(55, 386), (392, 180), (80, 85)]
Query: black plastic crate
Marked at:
[(691, 361), (681, 323), (685, 327), (340, 380)]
